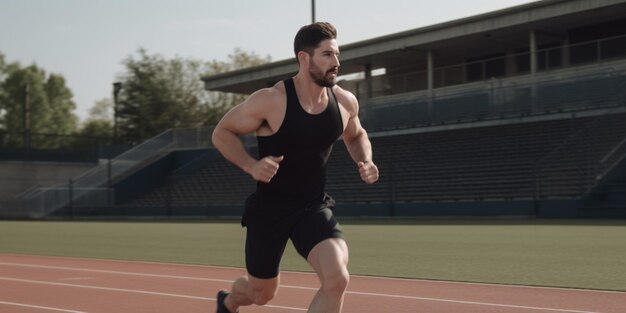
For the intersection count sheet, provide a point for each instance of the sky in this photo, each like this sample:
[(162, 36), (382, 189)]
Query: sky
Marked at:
[(87, 40)]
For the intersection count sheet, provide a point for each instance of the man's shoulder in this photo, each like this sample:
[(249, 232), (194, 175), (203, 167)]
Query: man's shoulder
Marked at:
[(271, 94), (346, 98)]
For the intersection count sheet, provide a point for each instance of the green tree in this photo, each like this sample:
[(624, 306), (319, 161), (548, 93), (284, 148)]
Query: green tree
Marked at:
[(62, 107), (50, 104), (159, 94), (221, 102), (3, 66), (99, 124)]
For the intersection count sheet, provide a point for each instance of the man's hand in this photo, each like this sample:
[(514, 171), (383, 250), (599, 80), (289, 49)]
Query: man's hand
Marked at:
[(368, 171), (264, 169)]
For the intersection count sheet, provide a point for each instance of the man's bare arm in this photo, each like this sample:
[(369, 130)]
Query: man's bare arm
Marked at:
[(358, 143), (244, 119)]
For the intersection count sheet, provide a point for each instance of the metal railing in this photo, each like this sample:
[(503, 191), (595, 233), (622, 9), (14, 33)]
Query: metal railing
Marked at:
[(511, 65), (582, 158), (28, 146), (469, 165), (74, 199), (612, 158), (93, 188), (494, 101)]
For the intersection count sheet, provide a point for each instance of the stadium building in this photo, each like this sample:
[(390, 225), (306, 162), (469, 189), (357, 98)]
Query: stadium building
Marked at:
[(516, 112)]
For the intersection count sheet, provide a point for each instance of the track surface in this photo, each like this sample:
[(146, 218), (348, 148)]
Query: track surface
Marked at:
[(55, 284)]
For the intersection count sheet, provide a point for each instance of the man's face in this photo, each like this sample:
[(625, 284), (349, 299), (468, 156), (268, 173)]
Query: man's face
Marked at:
[(324, 64)]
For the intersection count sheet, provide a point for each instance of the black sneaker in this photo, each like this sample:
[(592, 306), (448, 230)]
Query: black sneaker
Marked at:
[(221, 306)]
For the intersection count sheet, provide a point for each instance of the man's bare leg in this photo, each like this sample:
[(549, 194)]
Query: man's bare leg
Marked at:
[(248, 290), (329, 259)]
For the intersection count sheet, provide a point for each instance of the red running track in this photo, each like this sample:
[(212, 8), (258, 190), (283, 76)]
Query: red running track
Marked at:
[(56, 284)]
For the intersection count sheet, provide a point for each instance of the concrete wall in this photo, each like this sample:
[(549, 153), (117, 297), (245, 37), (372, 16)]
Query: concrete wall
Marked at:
[(17, 177)]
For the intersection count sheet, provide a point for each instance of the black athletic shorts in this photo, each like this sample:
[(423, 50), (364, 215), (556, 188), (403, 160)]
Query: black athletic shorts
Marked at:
[(271, 224)]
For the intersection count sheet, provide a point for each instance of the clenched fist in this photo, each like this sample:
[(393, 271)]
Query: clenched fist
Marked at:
[(265, 169), (368, 171)]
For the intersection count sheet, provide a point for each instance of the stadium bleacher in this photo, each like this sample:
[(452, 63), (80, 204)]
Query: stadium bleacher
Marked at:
[(471, 164), (469, 146), (469, 152)]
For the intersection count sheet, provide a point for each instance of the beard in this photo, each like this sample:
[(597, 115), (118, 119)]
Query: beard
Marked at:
[(321, 78)]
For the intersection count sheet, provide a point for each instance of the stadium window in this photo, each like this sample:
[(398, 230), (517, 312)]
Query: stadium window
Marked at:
[(486, 67), (549, 56), (583, 53), (588, 43), (613, 48), (522, 61), (496, 67)]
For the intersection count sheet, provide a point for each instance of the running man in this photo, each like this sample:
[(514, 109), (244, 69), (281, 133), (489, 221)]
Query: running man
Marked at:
[(296, 122)]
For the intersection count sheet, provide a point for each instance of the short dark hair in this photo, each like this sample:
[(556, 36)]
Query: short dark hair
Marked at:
[(309, 37)]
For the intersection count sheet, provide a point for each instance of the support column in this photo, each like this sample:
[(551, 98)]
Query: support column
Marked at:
[(430, 68), (430, 74), (533, 52), (533, 68), (509, 67), (368, 81), (565, 52), (26, 121)]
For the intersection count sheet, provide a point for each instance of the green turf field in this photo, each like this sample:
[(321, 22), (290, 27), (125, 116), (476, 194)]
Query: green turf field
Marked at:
[(576, 253)]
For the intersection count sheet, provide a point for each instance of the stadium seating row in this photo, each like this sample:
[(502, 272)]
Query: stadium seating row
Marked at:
[(553, 158)]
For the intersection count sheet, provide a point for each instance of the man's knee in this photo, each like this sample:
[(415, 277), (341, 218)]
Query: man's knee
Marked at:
[(336, 283), (261, 291), (261, 295)]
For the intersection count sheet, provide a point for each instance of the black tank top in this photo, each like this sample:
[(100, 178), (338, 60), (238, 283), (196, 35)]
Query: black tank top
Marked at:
[(305, 140)]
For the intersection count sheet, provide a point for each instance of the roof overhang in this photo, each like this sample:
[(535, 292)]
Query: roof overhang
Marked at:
[(392, 49)]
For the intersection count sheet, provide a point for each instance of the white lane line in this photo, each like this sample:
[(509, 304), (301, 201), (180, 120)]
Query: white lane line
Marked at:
[(77, 278), (39, 307), (473, 303), (290, 287), (78, 269), (293, 308), (28, 281), (502, 285), (291, 272)]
